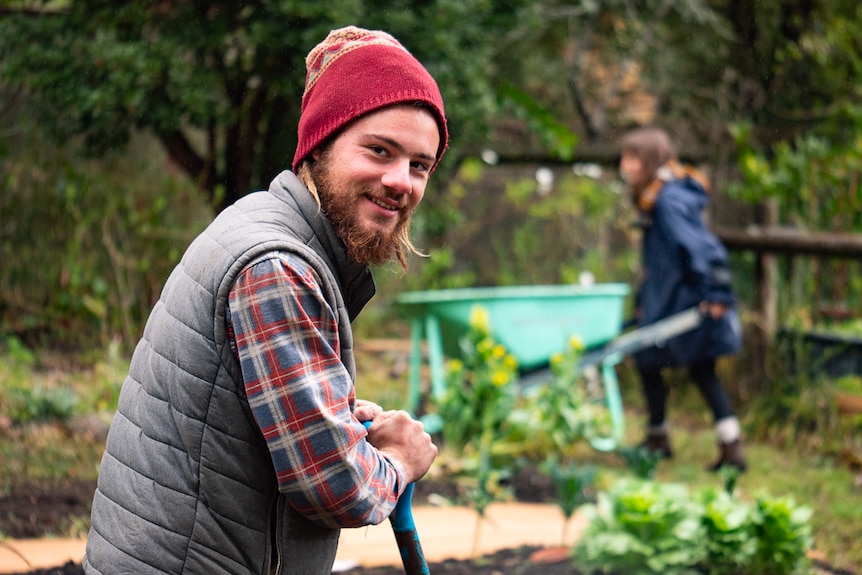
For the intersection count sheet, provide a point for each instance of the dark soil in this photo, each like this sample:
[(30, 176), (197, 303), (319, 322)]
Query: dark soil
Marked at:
[(47, 508), (506, 562)]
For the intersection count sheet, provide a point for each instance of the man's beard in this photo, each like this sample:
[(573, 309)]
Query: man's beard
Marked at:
[(364, 245)]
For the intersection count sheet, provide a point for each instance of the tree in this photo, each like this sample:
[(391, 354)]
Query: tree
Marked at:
[(695, 66), (220, 82)]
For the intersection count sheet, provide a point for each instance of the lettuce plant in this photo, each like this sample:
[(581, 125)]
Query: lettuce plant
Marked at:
[(643, 527)]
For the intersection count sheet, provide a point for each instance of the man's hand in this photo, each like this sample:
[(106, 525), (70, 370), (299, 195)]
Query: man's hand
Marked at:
[(404, 439), (365, 410), (715, 310)]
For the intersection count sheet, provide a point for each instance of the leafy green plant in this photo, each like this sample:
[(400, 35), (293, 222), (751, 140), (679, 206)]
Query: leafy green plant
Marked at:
[(480, 394), (783, 533), (646, 527), (574, 483), (40, 403), (642, 461), (554, 418), (642, 527), (729, 542), (480, 387)]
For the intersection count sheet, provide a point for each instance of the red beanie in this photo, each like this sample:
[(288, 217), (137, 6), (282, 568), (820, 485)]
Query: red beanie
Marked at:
[(356, 71)]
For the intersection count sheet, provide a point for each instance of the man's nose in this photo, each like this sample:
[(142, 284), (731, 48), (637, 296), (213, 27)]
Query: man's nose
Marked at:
[(397, 177)]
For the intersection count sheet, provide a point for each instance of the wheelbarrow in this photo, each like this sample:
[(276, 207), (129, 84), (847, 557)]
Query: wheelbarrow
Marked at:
[(534, 323)]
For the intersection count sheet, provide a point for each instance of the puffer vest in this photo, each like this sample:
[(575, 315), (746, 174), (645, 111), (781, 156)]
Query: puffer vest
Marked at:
[(186, 484)]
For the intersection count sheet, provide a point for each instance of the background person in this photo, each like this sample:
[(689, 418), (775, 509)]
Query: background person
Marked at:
[(237, 445), (683, 265)]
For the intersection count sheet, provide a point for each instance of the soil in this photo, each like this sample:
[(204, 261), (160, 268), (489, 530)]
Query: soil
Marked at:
[(40, 509), (47, 508)]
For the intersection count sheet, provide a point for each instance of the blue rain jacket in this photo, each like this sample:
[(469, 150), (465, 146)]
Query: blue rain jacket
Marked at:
[(684, 264)]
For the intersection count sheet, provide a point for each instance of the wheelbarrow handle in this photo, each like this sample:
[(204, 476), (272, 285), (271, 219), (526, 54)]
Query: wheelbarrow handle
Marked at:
[(406, 535)]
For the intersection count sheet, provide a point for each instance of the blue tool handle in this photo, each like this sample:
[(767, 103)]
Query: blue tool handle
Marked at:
[(406, 536)]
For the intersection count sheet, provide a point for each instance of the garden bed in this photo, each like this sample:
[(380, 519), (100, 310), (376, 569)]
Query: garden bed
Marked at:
[(34, 510)]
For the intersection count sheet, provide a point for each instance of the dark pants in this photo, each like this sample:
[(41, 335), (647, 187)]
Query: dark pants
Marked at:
[(703, 373)]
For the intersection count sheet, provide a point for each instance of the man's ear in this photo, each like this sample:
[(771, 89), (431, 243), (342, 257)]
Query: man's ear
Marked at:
[(315, 153)]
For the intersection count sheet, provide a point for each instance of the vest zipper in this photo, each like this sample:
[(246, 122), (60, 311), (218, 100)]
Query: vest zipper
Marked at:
[(276, 544)]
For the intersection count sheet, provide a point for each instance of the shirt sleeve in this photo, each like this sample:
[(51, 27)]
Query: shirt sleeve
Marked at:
[(285, 335)]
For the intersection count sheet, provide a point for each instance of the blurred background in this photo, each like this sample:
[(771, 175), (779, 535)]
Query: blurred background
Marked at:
[(125, 127)]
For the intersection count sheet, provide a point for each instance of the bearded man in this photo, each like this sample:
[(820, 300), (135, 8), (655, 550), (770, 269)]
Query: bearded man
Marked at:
[(238, 444)]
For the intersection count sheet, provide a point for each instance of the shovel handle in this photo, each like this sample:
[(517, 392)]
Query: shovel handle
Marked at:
[(406, 536)]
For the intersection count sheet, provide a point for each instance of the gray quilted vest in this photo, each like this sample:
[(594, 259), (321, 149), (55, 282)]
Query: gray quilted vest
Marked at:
[(186, 483)]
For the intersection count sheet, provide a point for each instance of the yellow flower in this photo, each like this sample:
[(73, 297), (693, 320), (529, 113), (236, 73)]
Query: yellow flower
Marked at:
[(576, 343), (456, 365), (500, 378), (479, 319), (556, 359), (511, 362), (498, 351)]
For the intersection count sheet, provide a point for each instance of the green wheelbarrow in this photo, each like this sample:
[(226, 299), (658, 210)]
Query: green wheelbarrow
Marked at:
[(534, 323)]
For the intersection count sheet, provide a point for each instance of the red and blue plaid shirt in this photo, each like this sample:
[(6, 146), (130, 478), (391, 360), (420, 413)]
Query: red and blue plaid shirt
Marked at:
[(285, 335)]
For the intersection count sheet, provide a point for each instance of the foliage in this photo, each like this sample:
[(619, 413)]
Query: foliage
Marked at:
[(729, 542), (509, 232), (85, 247), (480, 393), (555, 417), (815, 178), (574, 484), (490, 426), (641, 460), (31, 392), (219, 82), (642, 526), (783, 536), (554, 134), (480, 388), (23, 402), (38, 403)]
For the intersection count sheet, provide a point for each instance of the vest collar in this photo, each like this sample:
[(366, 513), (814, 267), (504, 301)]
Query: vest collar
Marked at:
[(355, 280)]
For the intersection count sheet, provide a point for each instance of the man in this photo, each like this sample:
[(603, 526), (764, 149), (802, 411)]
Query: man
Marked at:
[(238, 445)]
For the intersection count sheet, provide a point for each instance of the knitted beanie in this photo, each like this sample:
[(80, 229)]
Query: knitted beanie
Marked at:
[(356, 71)]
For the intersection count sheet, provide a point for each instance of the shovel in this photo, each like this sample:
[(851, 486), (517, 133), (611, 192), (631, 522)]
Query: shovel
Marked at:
[(405, 532), (653, 335)]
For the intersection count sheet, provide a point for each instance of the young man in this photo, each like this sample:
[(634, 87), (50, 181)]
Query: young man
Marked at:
[(238, 445), (684, 265)]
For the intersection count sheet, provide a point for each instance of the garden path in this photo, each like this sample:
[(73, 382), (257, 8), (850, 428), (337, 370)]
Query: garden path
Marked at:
[(445, 533)]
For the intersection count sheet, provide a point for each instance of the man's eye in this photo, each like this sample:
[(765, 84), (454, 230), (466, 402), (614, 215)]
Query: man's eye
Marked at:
[(379, 150)]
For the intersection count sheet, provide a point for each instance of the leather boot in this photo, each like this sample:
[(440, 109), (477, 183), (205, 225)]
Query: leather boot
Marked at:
[(730, 454), (657, 442)]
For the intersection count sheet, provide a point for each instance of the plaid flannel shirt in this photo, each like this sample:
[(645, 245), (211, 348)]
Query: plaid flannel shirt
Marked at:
[(285, 335)]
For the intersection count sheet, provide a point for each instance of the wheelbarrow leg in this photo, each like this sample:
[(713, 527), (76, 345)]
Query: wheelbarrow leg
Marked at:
[(615, 402), (615, 407), (414, 390), (435, 356)]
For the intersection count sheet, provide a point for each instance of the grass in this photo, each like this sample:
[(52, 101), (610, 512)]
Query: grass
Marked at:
[(41, 450)]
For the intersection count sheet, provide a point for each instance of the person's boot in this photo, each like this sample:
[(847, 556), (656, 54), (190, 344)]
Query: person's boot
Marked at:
[(657, 442), (730, 454)]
